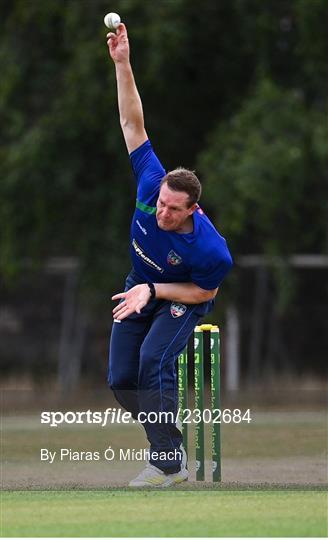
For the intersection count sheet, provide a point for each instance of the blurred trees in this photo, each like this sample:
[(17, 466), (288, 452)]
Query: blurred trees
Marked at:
[(66, 183), (266, 166), (236, 89)]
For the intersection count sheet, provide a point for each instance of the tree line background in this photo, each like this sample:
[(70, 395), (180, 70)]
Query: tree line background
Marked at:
[(235, 89)]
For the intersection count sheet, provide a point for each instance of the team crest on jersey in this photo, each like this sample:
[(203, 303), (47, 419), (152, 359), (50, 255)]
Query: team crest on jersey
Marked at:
[(177, 309), (173, 258)]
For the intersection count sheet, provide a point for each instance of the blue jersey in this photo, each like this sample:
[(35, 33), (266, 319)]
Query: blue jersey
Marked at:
[(159, 256)]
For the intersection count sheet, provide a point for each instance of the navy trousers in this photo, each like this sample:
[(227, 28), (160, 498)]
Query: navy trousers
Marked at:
[(142, 368)]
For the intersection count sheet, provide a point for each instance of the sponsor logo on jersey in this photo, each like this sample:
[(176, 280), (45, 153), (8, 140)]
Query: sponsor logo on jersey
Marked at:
[(141, 227), (173, 258), (140, 252), (177, 309)]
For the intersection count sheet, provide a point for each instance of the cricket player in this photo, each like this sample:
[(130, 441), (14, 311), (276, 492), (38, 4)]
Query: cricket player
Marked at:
[(178, 262)]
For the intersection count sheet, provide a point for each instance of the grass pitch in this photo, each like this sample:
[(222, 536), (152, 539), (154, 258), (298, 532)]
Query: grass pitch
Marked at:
[(172, 513), (274, 451)]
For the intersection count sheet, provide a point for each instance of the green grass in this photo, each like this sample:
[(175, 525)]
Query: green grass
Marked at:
[(149, 513)]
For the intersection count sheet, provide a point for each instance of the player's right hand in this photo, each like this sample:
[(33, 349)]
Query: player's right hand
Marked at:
[(118, 44)]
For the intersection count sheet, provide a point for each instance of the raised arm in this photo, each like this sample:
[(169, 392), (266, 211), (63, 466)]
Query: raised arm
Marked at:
[(129, 102)]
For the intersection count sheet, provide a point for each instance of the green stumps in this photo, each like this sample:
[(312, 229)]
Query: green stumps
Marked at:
[(183, 393), (199, 403), (215, 403), (197, 416)]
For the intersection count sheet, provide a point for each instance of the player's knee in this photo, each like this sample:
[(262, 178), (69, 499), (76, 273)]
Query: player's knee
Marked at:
[(148, 358), (150, 368), (121, 381)]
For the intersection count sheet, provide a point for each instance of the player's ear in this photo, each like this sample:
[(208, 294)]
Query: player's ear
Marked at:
[(192, 209)]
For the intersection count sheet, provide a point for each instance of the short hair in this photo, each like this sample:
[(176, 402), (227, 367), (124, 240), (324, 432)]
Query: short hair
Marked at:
[(181, 179)]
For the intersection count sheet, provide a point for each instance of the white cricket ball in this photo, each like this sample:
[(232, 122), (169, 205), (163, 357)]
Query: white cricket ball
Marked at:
[(112, 20)]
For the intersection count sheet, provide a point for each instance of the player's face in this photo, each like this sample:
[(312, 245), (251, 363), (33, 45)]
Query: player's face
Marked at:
[(172, 209)]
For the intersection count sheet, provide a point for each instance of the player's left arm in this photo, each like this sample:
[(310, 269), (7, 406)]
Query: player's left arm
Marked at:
[(187, 293), (204, 286), (136, 298)]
